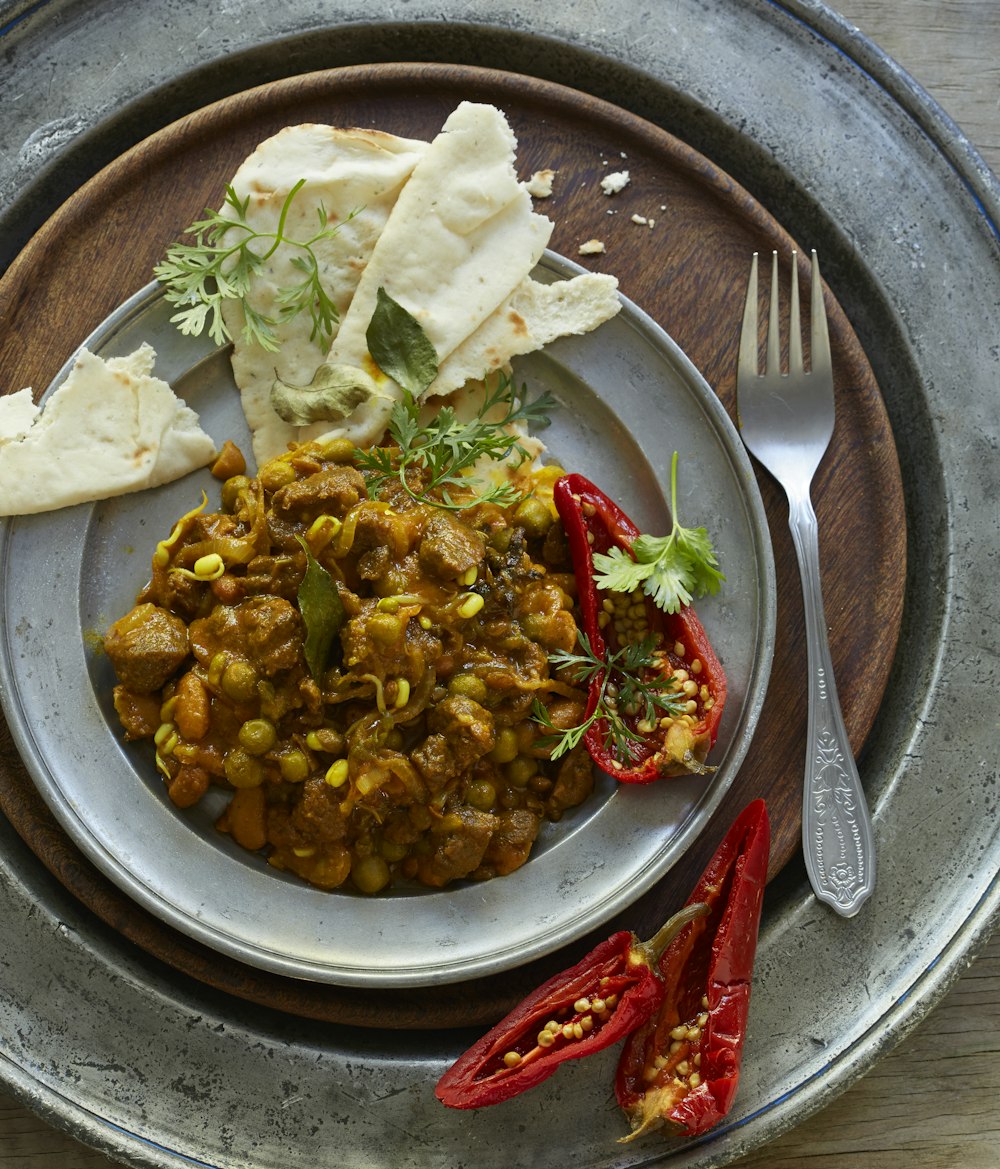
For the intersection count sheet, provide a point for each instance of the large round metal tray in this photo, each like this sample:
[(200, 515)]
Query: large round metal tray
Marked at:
[(904, 213)]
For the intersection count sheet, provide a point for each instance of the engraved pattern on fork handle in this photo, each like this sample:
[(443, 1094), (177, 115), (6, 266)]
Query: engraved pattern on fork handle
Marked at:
[(837, 838)]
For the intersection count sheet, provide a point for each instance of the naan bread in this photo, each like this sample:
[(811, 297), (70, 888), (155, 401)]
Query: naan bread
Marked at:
[(454, 242), (529, 319), (110, 428), (356, 177)]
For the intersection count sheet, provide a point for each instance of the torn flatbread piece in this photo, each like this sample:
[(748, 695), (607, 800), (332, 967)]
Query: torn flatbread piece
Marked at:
[(109, 429), (453, 242), (352, 178)]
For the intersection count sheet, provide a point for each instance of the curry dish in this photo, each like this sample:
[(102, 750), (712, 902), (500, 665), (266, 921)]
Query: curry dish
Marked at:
[(359, 673)]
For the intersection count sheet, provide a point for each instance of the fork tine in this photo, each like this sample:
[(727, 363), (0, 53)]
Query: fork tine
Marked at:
[(795, 323), (819, 336), (773, 365), (747, 367)]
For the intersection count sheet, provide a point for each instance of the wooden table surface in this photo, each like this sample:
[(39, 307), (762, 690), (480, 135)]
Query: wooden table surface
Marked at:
[(934, 1102)]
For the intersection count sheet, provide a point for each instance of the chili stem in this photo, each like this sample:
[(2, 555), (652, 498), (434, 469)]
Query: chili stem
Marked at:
[(653, 948)]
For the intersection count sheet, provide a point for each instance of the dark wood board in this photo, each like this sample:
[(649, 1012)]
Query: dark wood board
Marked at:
[(688, 271)]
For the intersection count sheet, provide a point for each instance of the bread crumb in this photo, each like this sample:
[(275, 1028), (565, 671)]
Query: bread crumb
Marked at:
[(592, 247), (539, 186), (615, 182)]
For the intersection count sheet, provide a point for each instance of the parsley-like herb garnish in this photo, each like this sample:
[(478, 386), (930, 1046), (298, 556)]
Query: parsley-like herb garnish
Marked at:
[(198, 277), (435, 459), (671, 569), (626, 691)]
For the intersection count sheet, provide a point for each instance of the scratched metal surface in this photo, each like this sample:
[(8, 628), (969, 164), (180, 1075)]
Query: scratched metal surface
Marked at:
[(904, 214)]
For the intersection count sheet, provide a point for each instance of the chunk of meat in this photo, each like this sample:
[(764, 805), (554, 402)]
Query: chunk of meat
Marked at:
[(511, 842), (466, 726), (139, 713), (574, 782), (266, 629), (146, 646), (448, 549), (333, 491), (460, 840)]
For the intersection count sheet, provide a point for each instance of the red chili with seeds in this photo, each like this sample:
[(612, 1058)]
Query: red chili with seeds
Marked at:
[(595, 1003), (681, 1068), (675, 745)]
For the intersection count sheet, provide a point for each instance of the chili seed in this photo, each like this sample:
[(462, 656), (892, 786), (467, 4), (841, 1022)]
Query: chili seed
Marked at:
[(695, 1080), (683, 1067), (696, 666), (546, 1039), (679, 649), (679, 1033), (581, 1006), (511, 1059)]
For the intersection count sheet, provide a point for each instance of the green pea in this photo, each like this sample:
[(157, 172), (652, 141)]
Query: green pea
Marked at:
[(520, 770), (468, 686), (337, 450), (505, 748), (243, 770), (393, 852), (370, 874), (294, 766), (232, 489), (534, 517), (257, 736), (239, 681), (276, 473), (480, 794), (384, 628)]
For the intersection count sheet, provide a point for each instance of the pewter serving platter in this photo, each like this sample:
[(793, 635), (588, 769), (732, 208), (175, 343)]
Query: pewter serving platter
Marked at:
[(160, 1072), (626, 398)]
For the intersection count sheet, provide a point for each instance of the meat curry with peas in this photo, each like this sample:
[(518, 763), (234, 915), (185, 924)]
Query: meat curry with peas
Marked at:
[(359, 674)]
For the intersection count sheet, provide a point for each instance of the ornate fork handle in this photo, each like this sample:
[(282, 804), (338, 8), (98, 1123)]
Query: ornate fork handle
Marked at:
[(836, 828)]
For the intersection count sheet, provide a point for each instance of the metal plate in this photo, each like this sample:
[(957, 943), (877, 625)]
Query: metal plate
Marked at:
[(626, 398), (905, 216)]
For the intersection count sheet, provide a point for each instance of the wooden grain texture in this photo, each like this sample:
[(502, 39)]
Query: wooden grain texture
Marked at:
[(934, 1103), (689, 275)]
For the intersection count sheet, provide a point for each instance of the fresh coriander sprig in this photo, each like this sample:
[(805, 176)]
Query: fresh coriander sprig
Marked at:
[(432, 460), (626, 691), (220, 266), (672, 569)]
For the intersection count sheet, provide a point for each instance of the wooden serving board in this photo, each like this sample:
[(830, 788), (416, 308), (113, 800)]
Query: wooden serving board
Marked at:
[(688, 271)]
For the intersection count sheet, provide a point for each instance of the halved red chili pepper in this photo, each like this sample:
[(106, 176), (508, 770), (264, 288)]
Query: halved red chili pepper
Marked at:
[(595, 1003), (681, 1068), (677, 746)]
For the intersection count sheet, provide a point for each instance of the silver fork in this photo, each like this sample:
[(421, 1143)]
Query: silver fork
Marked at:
[(786, 421)]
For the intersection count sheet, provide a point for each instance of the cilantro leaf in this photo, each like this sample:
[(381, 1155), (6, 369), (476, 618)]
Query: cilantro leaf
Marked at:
[(672, 569), (223, 262), (434, 461)]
